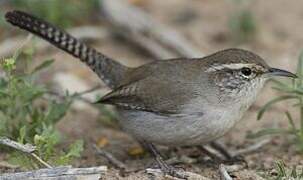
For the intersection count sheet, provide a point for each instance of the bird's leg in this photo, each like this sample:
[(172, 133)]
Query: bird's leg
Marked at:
[(221, 150), (227, 155), (167, 169), (212, 155)]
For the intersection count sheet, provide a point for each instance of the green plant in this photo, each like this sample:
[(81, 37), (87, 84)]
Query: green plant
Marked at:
[(282, 172), (27, 117), (61, 12), (292, 91), (242, 23)]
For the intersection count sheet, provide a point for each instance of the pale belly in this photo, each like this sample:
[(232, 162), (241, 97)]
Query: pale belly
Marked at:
[(195, 129)]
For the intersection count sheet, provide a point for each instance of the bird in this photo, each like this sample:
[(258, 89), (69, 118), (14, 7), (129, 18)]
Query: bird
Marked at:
[(172, 102)]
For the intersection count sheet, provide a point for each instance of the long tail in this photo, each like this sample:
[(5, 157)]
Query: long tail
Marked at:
[(107, 69)]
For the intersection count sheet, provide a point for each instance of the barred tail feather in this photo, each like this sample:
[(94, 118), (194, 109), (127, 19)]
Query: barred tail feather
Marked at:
[(107, 69)]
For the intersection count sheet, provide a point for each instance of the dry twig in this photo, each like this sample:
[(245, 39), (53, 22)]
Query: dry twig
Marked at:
[(58, 173), (26, 148), (223, 173), (137, 26)]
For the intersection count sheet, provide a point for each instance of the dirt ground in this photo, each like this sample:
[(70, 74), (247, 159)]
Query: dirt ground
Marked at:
[(278, 41)]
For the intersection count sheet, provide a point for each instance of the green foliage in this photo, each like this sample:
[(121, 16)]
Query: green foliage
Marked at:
[(242, 23), (9, 64), (293, 91), (283, 172), (61, 12), (74, 151), (27, 117)]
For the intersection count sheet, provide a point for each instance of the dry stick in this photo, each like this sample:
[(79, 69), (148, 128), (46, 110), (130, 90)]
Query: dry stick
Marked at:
[(9, 46), (139, 27), (26, 148), (58, 173), (110, 158), (223, 173), (65, 172)]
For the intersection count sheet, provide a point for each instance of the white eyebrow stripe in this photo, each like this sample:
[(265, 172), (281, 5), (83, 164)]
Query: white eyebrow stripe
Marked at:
[(217, 67)]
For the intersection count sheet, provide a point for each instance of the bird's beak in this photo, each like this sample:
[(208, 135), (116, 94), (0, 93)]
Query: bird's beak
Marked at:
[(280, 72)]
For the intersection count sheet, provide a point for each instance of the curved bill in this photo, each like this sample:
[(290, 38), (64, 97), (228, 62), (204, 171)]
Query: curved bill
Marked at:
[(280, 72)]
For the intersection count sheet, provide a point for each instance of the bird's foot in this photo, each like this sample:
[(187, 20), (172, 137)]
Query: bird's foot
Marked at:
[(165, 168)]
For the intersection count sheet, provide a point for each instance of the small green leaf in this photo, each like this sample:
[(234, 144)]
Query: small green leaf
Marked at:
[(269, 131), (293, 173), (29, 94), (22, 134), (76, 149), (9, 64), (290, 120), (271, 102), (281, 169), (43, 65), (57, 111)]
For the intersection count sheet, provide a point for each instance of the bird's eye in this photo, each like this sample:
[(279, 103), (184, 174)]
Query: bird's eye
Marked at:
[(246, 71)]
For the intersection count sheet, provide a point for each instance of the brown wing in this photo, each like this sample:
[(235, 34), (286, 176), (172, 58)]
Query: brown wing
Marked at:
[(153, 89), (136, 96)]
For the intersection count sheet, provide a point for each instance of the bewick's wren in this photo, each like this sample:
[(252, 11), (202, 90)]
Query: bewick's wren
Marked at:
[(173, 102)]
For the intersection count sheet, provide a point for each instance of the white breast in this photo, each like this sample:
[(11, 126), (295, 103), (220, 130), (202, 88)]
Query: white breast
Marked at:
[(178, 130)]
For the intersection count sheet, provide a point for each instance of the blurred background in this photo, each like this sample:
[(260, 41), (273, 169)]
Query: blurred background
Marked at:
[(272, 29)]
